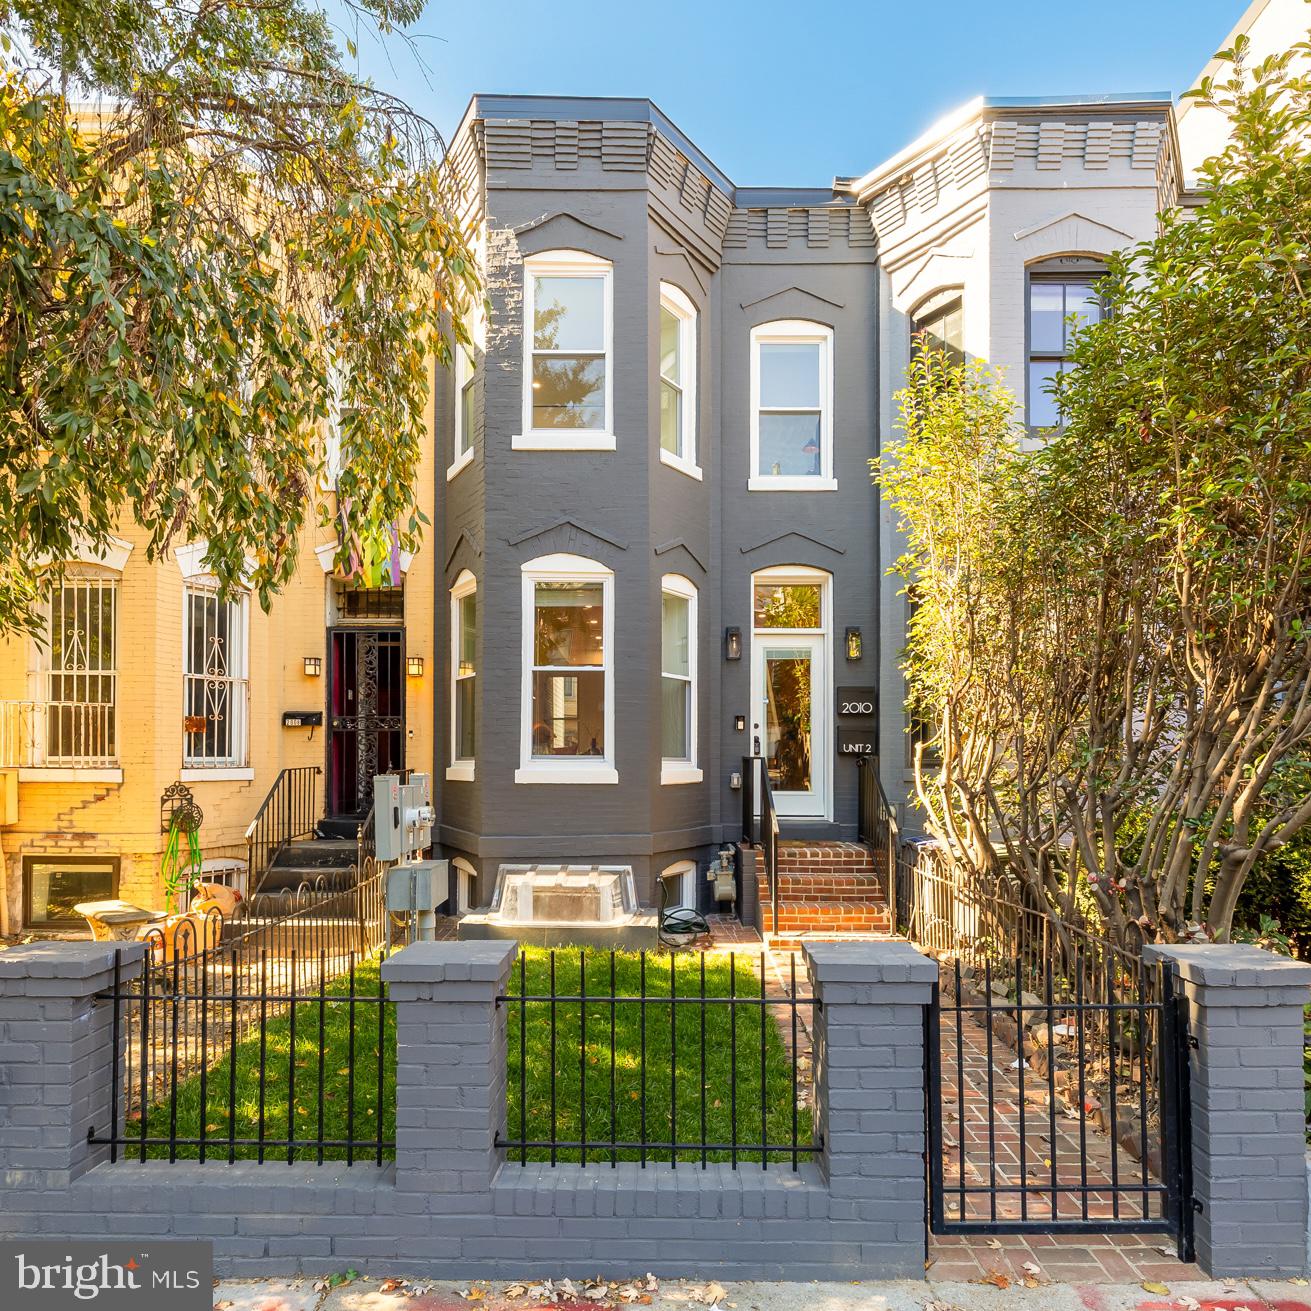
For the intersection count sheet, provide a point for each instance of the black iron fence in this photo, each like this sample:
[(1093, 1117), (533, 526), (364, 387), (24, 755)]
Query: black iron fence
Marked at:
[(676, 1058), (214, 1059), (1002, 937), (220, 1005)]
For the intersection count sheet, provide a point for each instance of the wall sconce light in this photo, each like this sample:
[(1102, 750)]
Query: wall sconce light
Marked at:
[(414, 666), (732, 644), (740, 723), (853, 643), (735, 780), (313, 666)]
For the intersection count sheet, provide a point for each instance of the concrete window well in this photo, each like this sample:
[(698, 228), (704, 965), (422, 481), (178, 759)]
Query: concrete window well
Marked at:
[(565, 905)]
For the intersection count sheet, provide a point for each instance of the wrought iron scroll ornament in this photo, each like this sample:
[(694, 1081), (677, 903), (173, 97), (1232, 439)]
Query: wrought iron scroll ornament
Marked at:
[(179, 810)]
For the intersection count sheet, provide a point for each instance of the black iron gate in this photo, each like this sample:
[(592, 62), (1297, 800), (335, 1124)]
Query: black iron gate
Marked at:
[(1058, 1100), (366, 705)]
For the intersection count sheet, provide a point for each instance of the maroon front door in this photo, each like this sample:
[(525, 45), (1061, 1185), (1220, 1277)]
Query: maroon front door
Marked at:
[(366, 715)]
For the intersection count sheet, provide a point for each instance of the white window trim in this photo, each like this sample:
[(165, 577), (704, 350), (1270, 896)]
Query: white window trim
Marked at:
[(466, 881), (674, 769), (464, 371), (217, 773), (459, 770), (686, 870), (198, 768), (804, 574), (40, 766), (70, 774), (566, 263), (677, 302), (785, 331), (564, 769)]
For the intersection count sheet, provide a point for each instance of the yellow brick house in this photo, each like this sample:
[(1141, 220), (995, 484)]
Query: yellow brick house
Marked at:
[(148, 679)]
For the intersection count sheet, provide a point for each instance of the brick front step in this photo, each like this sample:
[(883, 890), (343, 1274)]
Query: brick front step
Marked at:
[(824, 857), (865, 886), (802, 916)]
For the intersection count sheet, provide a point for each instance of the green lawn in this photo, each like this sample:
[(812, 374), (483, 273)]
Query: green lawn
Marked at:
[(640, 1090), (349, 1079), (671, 1076)]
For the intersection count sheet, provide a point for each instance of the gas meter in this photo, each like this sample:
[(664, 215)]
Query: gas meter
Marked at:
[(723, 874)]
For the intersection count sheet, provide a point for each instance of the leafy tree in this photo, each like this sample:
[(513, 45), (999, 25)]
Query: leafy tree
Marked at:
[(215, 244), (1136, 685)]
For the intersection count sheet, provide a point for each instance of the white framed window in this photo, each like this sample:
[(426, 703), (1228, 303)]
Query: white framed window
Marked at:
[(568, 347), (216, 687), (1062, 299), (678, 634), (792, 407), (466, 883), (568, 728), (466, 382), (679, 881), (464, 677), (78, 672), (678, 366), (465, 370)]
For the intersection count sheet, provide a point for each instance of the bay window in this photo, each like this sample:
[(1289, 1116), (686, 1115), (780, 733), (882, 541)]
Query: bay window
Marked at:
[(567, 346), (464, 674), (568, 688), (678, 681), (791, 407), (678, 436)]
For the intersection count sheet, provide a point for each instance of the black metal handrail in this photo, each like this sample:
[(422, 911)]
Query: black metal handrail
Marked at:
[(760, 823), (290, 811), (876, 827)]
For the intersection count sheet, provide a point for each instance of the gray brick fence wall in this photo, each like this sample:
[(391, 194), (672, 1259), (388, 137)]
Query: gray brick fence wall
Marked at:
[(1248, 1114), (450, 1206)]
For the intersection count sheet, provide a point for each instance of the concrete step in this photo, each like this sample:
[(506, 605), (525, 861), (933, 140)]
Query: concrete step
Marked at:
[(317, 854), (784, 942)]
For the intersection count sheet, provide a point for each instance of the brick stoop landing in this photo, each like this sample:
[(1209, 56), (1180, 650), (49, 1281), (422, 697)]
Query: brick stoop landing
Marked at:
[(827, 892)]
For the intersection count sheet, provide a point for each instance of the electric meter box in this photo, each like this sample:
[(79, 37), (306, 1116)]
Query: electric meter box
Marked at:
[(403, 816), (421, 886)]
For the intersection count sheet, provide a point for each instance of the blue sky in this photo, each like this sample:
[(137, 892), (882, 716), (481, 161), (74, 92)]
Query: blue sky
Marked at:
[(791, 94)]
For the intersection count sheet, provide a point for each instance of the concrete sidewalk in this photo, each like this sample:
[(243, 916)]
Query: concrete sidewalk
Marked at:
[(675, 1295)]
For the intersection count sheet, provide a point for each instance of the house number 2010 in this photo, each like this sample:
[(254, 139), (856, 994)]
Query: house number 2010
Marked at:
[(856, 701)]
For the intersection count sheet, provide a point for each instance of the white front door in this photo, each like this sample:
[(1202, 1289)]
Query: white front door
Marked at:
[(791, 720)]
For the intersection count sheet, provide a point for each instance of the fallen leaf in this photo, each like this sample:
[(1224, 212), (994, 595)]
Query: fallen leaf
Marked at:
[(995, 1278), (390, 1285), (1187, 1303), (222, 1306), (1152, 1287)]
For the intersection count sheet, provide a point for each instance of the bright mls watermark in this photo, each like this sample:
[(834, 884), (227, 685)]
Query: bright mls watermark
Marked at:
[(148, 1275)]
